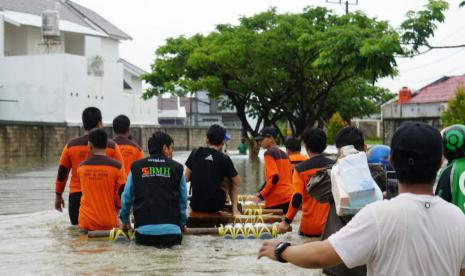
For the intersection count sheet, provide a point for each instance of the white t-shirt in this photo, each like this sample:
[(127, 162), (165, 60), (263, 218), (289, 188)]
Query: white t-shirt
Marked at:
[(407, 235)]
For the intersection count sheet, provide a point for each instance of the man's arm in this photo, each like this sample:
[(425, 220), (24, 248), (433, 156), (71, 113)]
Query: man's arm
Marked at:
[(296, 201), (187, 174), (118, 156), (183, 203), (126, 201), (233, 187), (318, 254), (62, 177), (271, 176)]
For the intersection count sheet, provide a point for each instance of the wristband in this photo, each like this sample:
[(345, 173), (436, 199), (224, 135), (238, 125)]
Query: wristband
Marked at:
[(278, 251)]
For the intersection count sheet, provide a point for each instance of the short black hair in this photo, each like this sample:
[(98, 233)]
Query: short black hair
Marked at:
[(314, 140), (157, 141), (215, 134), (99, 138), (350, 136), (121, 124), (416, 149), (293, 144), (91, 116)]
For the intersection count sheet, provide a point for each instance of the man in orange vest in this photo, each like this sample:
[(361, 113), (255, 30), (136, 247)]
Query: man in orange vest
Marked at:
[(130, 150), (314, 213), (277, 190), (293, 149), (74, 152), (101, 177)]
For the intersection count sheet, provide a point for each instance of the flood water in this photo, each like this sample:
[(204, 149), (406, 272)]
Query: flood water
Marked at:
[(38, 240)]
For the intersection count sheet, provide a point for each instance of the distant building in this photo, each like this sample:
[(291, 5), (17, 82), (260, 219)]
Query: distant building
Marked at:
[(170, 111), (52, 67), (197, 110), (426, 104)]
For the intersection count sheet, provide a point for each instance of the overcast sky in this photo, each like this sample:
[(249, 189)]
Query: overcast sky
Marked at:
[(150, 22)]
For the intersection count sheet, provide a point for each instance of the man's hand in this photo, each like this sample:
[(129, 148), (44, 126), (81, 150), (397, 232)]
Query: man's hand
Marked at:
[(125, 227), (59, 203), (255, 199), (236, 212), (283, 227), (267, 249), (184, 228)]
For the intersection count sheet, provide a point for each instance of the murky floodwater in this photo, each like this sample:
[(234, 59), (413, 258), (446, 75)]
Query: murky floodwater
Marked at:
[(36, 239)]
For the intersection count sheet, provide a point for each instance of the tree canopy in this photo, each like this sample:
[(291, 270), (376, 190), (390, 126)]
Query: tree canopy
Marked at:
[(455, 112), (299, 68)]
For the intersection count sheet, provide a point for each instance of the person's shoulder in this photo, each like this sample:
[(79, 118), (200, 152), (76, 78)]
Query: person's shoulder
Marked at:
[(78, 141), (276, 153), (101, 160), (174, 163), (317, 162), (123, 141)]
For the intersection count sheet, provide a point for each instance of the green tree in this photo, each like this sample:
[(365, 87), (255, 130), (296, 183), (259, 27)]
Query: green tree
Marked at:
[(279, 66), (335, 124), (455, 112)]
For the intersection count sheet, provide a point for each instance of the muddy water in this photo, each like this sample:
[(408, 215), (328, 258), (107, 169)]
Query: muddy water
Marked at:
[(37, 240)]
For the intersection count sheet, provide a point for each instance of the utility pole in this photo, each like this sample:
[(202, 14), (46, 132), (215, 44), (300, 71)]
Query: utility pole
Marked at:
[(347, 3)]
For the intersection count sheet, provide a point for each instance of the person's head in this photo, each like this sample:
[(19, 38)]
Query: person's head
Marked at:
[(121, 124), (91, 118), (98, 140), (242, 140), (314, 140), (161, 143), (453, 139), (293, 145), (350, 136), (216, 135), (267, 137), (379, 154), (416, 153)]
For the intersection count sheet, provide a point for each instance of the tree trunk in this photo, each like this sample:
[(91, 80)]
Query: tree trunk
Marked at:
[(254, 148)]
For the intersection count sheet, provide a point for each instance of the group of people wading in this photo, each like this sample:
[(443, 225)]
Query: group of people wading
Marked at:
[(415, 233)]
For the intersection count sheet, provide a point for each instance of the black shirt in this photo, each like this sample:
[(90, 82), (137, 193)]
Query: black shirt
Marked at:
[(444, 184), (209, 169)]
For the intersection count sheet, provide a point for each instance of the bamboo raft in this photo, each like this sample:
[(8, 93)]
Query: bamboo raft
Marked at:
[(255, 222)]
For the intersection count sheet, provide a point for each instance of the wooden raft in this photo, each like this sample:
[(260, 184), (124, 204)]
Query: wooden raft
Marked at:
[(212, 219)]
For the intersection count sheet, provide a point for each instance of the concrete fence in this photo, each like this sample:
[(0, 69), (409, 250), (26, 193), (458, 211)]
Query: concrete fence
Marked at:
[(48, 140)]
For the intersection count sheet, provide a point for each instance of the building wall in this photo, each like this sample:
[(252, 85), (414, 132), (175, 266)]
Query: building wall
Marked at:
[(15, 40), (371, 128), (47, 140), (390, 125), (32, 88), (424, 110), (394, 115), (75, 44), (56, 88)]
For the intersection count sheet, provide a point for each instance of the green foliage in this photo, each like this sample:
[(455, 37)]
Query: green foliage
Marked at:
[(462, 4), (335, 124), (283, 67), (420, 26), (455, 112)]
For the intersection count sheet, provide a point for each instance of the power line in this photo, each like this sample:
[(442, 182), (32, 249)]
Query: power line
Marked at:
[(347, 3)]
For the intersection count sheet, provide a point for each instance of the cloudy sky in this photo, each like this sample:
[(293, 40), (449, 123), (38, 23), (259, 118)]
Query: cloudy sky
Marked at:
[(150, 22)]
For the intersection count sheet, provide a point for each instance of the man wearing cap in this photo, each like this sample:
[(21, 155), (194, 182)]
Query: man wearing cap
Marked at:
[(277, 189), (451, 178), (415, 233), (212, 175)]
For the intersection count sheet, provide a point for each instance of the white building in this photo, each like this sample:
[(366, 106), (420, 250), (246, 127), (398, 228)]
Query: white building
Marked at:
[(54, 80)]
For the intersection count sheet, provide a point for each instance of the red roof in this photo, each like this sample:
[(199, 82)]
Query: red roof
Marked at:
[(439, 91)]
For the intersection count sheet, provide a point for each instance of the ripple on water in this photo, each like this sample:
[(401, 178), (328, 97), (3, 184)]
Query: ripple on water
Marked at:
[(38, 240)]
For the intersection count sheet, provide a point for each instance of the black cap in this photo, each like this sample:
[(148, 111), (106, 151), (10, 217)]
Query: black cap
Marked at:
[(416, 144), (266, 132)]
